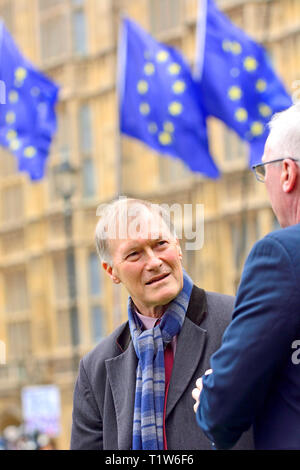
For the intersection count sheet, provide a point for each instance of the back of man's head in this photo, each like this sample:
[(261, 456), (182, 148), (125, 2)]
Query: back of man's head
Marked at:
[(282, 177), (284, 137)]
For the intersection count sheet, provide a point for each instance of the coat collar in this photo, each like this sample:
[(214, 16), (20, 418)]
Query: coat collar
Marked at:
[(196, 311)]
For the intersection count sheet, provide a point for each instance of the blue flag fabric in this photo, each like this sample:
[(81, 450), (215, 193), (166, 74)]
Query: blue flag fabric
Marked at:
[(159, 100), (27, 118), (237, 82)]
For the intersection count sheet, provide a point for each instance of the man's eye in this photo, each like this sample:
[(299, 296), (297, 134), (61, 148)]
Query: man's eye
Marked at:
[(133, 254), (161, 244)]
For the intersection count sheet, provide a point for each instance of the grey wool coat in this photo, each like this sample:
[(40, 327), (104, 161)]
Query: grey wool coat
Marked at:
[(105, 388)]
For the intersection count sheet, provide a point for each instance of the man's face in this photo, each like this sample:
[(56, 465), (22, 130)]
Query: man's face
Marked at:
[(148, 264)]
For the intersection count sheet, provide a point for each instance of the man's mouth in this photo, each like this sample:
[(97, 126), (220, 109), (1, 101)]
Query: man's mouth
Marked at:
[(157, 279)]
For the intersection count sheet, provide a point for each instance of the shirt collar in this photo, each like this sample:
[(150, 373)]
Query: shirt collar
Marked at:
[(147, 322)]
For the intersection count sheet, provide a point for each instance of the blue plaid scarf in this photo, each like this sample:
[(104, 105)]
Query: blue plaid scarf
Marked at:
[(150, 375)]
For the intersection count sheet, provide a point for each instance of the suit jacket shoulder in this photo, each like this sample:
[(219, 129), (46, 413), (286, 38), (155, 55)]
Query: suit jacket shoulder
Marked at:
[(289, 239), (286, 239)]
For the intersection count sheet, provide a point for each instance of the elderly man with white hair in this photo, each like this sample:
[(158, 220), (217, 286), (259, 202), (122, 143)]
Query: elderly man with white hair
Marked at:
[(255, 376), (134, 388)]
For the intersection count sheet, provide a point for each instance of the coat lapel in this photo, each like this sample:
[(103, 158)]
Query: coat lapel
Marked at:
[(121, 372), (189, 349)]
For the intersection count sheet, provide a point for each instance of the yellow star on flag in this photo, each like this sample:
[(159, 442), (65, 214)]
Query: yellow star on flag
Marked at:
[(20, 74), (265, 110), (13, 96), (10, 117), (144, 108), (15, 144), (149, 68), (226, 45), (236, 48), (162, 56), (232, 46), (234, 93), (11, 134), (178, 86), (261, 85), (175, 108), (241, 115), (30, 151), (142, 87), (168, 126), (250, 64), (165, 138), (152, 128), (174, 68), (257, 128)]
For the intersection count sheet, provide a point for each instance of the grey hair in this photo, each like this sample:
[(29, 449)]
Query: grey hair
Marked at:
[(117, 213), (284, 137)]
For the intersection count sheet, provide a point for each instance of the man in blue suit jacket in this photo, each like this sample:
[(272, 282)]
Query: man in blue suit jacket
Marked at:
[(255, 376)]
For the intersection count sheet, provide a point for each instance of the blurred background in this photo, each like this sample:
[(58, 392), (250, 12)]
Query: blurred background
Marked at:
[(55, 302)]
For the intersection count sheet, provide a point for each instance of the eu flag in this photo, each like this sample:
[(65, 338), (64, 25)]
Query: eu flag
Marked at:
[(237, 82), (159, 101), (27, 114)]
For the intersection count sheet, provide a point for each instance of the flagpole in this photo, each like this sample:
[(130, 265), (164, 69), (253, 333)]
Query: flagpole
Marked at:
[(121, 59), (1, 34), (200, 38), (2, 83)]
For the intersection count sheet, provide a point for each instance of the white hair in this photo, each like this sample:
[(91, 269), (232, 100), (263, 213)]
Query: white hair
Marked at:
[(284, 137), (114, 217)]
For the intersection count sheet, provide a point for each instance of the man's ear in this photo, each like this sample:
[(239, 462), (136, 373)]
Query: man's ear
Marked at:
[(110, 271), (179, 248), (289, 175)]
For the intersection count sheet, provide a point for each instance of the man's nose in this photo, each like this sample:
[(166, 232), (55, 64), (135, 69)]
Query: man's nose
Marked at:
[(153, 261)]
